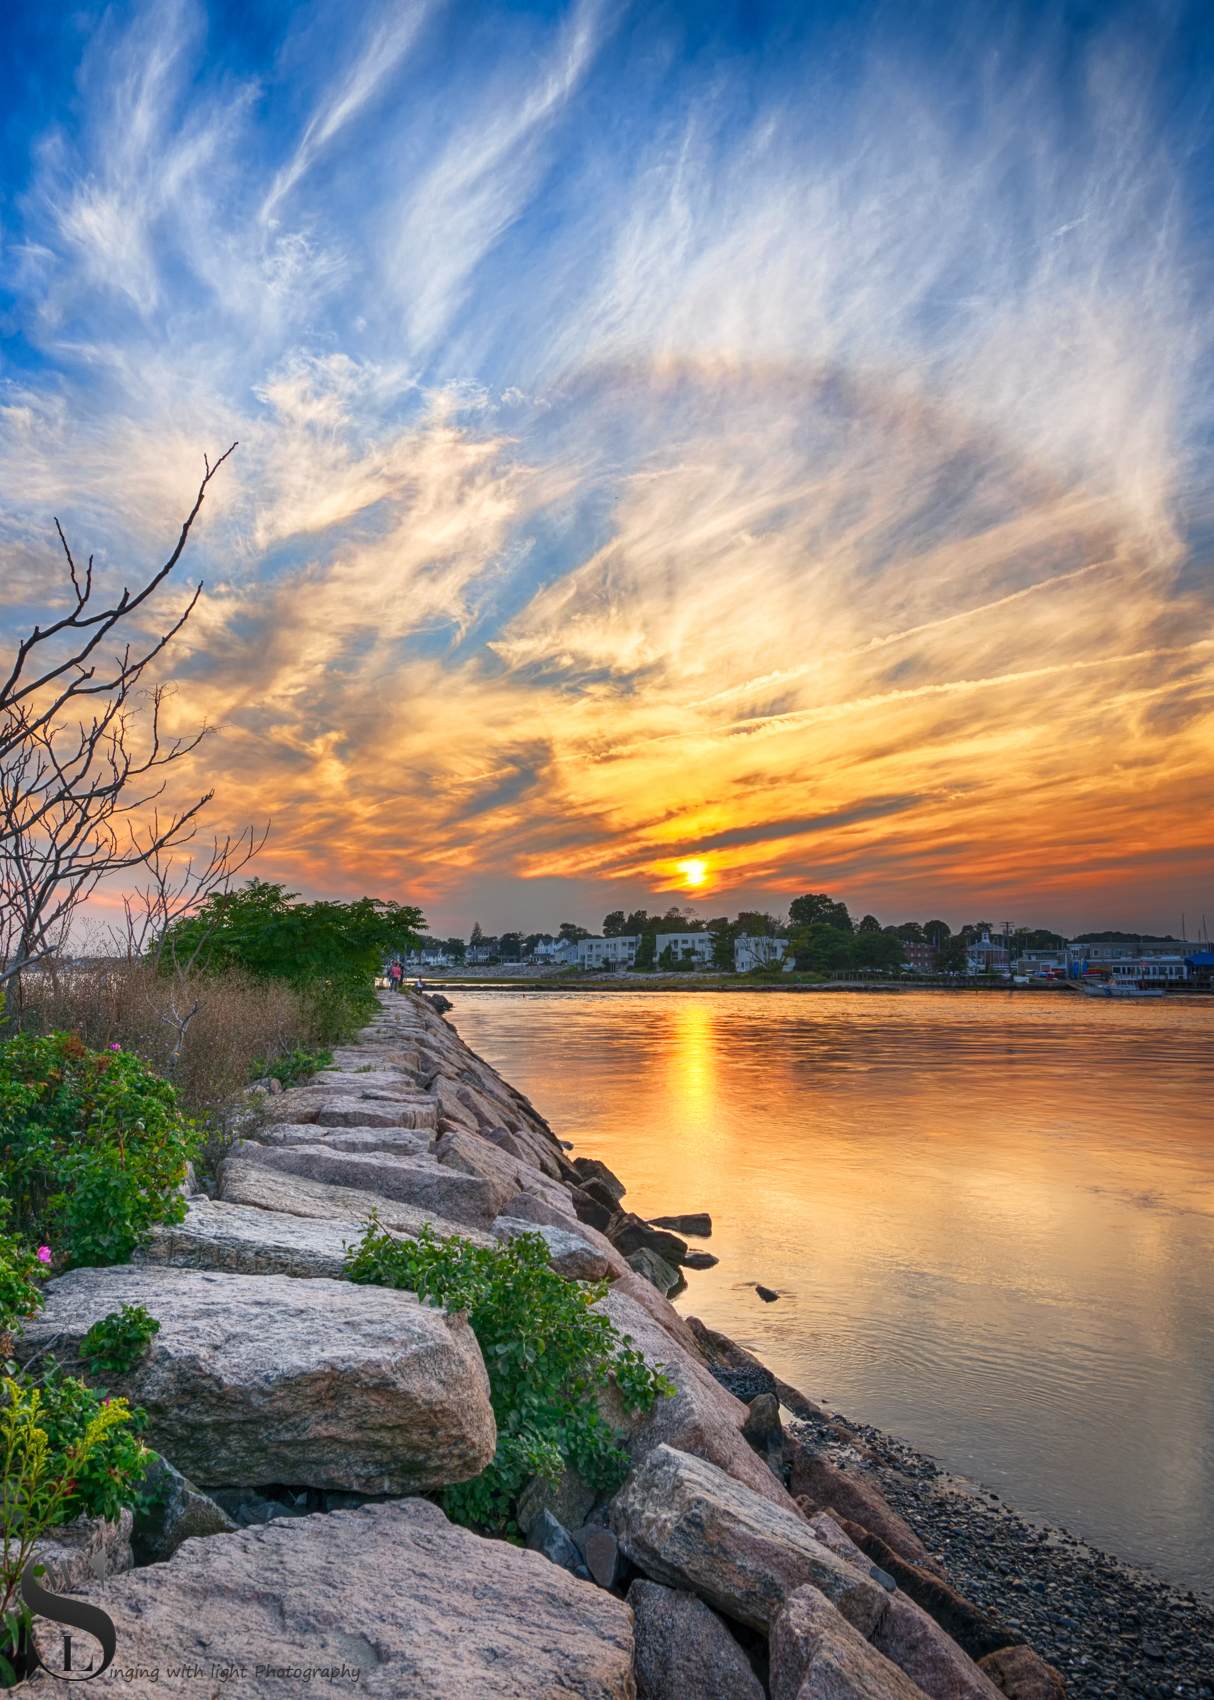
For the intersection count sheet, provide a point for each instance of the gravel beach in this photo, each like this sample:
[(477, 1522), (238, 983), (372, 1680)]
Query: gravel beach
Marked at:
[(1113, 1630)]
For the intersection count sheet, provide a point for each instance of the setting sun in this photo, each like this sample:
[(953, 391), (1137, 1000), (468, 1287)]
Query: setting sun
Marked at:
[(694, 873)]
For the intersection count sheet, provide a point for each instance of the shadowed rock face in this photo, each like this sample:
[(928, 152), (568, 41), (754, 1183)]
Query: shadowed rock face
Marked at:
[(684, 1651), (689, 1525), (262, 1378), (816, 1655), (394, 1593)]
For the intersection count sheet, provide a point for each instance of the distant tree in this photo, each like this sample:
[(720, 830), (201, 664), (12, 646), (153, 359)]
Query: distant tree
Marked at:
[(636, 923), (754, 924), (615, 924), (821, 948), (568, 930), (911, 931), (666, 960), (869, 924), (510, 947), (723, 934), (1038, 938), (477, 936), (455, 948), (936, 932), (951, 959), (816, 907), (877, 950)]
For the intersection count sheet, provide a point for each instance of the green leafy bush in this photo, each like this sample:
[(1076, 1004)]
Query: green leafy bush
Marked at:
[(547, 1352), (92, 1148), (65, 1451), (116, 1343), (20, 1294), (293, 1066)]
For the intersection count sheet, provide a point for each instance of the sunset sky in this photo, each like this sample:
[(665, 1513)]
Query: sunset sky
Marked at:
[(770, 436)]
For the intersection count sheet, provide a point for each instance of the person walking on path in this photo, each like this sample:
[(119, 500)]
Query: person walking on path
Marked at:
[(395, 974)]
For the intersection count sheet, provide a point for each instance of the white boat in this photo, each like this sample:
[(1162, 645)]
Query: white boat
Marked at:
[(1110, 989)]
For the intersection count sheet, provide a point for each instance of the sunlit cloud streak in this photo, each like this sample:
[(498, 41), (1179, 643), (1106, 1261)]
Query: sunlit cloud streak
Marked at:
[(653, 449)]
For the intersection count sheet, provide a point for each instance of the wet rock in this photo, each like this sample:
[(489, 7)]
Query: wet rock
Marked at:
[(699, 1223), (569, 1254), (591, 1169), (764, 1433), (700, 1260), (745, 1384), (592, 1210), (654, 1269), (437, 1001), (686, 1523), (568, 1500), (766, 1294), (817, 1655), (1020, 1674), (629, 1233), (855, 1495), (684, 1651), (406, 1602), (269, 1190), (172, 1510), (261, 1378)]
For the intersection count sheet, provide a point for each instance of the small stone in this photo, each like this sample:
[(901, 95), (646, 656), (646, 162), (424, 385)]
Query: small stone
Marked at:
[(766, 1294), (700, 1260), (552, 1540), (600, 1553), (698, 1223), (568, 1499)]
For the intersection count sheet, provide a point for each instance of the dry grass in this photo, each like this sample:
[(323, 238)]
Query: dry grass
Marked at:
[(241, 1021)]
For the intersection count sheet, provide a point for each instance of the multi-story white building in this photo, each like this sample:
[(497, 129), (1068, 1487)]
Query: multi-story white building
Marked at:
[(561, 952), (1137, 961), (685, 948), (751, 953), (607, 953)]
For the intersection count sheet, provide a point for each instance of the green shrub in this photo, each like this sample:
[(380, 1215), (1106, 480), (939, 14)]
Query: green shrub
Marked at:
[(20, 1294), (65, 1451), (116, 1343), (92, 1148), (546, 1351), (293, 1066)]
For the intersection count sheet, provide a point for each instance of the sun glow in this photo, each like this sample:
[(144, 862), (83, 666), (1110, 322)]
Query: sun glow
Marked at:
[(694, 873)]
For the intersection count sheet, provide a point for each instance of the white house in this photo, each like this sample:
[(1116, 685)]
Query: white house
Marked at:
[(561, 952), (695, 948), (751, 953), (607, 953)]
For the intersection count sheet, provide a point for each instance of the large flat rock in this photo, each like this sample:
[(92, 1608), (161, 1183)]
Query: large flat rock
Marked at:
[(816, 1655), (246, 1241), (384, 1602), (686, 1523), (403, 1142), (293, 1195), (344, 1110), (257, 1379), (410, 1180)]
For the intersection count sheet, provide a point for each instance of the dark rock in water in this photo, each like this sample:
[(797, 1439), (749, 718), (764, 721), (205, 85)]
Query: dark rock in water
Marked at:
[(600, 1553), (684, 1651), (552, 1540), (592, 1211), (629, 1233), (437, 1001), (600, 1192), (700, 1260), (1023, 1675), (172, 1510), (654, 1269), (698, 1223), (591, 1169), (764, 1433), (766, 1294), (745, 1384)]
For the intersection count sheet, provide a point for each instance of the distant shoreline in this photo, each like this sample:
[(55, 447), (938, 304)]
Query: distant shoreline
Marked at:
[(692, 983)]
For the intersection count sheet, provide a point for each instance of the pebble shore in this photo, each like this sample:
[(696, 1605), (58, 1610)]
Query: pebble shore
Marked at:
[(1113, 1630)]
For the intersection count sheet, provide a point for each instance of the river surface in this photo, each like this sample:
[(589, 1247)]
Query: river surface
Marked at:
[(989, 1217)]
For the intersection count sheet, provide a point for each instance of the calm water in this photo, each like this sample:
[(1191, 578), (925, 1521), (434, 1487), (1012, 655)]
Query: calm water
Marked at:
[(990, 1218)]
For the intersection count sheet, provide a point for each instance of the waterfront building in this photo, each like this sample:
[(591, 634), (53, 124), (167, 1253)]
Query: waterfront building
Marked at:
[(1161, 961), (607, 953), (920, 954), (751, 953), (685, 948), (986, 951)]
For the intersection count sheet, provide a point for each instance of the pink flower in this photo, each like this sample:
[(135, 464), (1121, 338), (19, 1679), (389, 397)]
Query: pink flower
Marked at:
[(44, 1254), (115, 1047)]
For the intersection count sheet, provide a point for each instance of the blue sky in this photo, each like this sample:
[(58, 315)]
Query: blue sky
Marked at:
[(774, 430)]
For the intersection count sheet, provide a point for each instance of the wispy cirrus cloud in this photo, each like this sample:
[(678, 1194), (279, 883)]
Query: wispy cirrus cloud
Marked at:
[(646, 444)]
